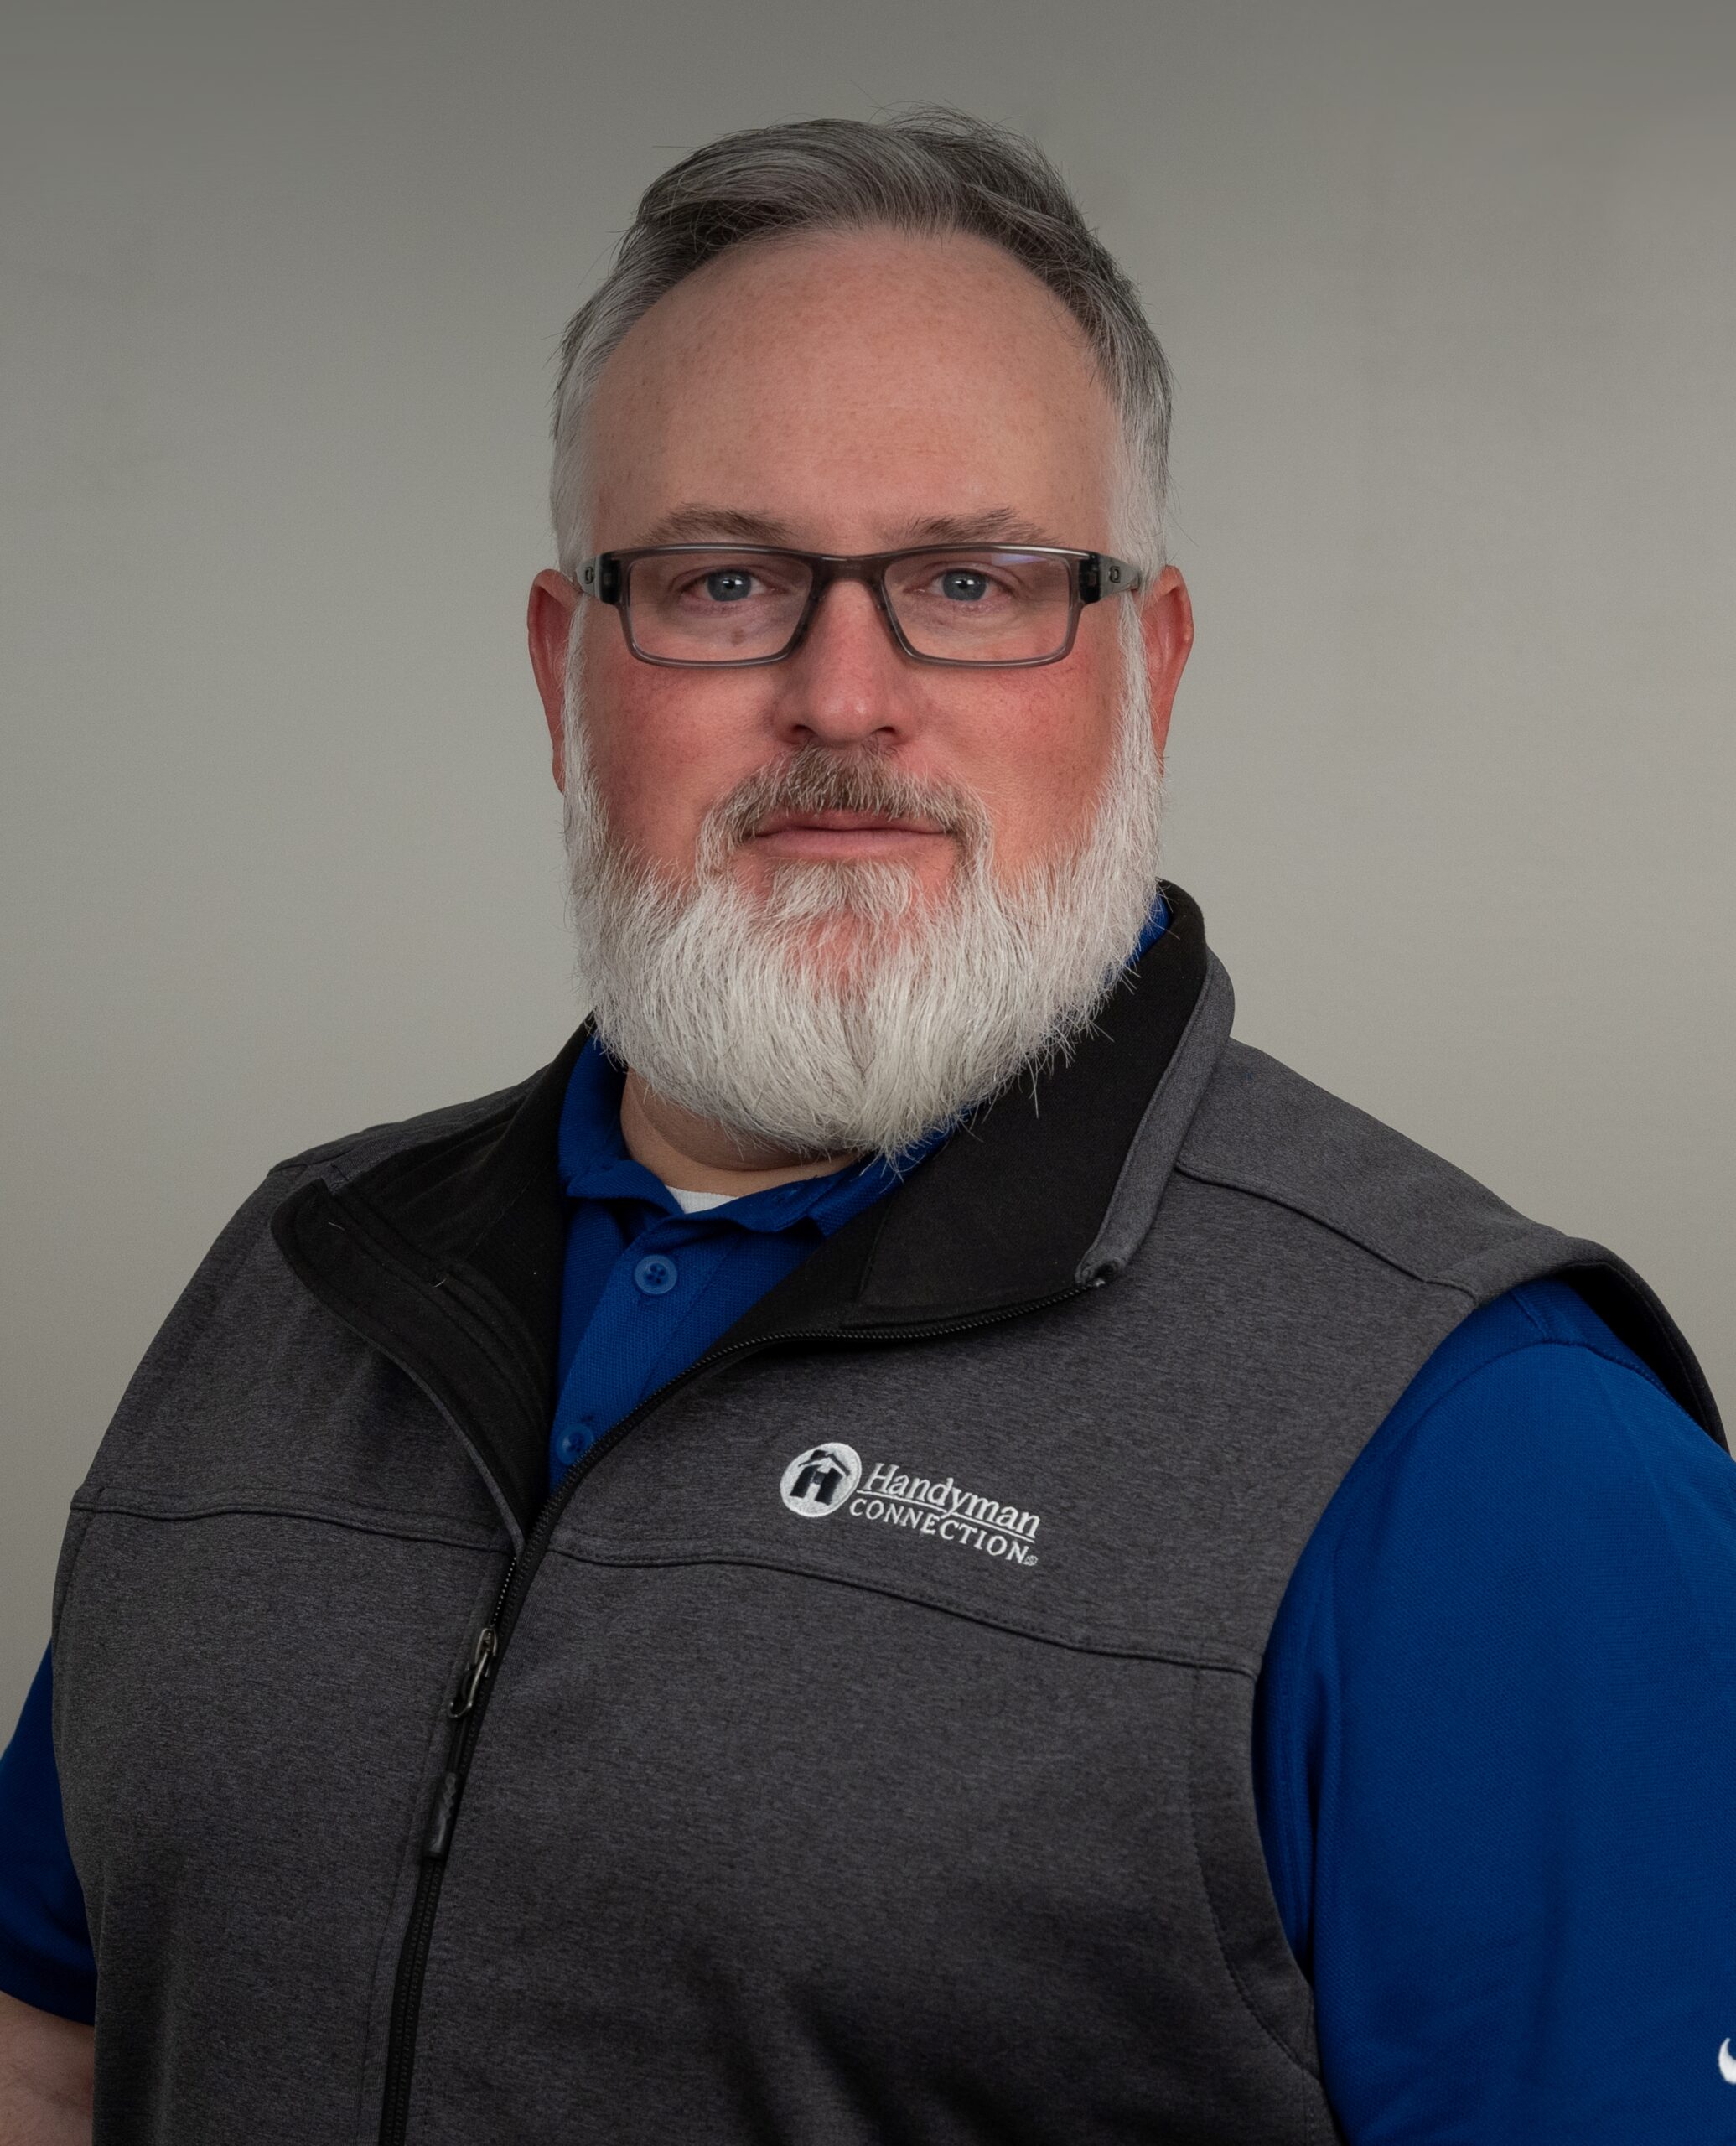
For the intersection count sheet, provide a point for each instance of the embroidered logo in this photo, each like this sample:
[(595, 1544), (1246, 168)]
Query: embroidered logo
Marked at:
[(817, 1482), (1726, 2062), (828, 1479)]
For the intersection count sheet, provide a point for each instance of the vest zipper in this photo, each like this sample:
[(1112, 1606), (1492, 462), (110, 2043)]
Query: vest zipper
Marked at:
[(469, 1703)]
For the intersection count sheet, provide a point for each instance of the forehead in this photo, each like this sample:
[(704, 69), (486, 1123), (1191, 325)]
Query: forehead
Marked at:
[(850, 387)]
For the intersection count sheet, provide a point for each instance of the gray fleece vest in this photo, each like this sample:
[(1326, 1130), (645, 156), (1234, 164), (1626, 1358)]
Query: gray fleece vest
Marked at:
[(856, 1747)]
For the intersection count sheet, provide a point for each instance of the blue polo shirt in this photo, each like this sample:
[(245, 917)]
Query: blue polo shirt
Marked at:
[(1495, 1734)]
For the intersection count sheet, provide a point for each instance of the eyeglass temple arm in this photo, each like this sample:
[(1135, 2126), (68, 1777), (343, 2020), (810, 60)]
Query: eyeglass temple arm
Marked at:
[(601, 577), (1100, 575)]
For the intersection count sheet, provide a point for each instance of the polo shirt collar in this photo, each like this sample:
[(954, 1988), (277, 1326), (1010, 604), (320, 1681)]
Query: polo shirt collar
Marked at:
[(594, 1164)]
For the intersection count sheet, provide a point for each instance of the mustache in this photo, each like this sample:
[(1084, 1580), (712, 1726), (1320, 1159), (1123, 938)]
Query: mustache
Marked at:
[(821, 779)]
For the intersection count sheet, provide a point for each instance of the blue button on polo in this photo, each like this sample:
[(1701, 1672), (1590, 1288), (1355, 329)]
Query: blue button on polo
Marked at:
[(573, 1439), (656, 1274)]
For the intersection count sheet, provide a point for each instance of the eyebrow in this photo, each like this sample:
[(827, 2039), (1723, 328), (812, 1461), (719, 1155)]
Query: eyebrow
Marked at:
[(698, 522), (995, 525)]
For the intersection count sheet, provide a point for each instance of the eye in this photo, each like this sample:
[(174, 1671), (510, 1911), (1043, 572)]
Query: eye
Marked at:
[(964, 584), (728, 584)]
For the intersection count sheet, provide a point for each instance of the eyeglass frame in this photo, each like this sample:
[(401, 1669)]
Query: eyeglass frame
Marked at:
[(1091, 576)]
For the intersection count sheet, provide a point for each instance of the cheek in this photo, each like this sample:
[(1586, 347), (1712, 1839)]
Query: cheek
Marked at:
[(1043, 757), (659, 758), (617, 718)]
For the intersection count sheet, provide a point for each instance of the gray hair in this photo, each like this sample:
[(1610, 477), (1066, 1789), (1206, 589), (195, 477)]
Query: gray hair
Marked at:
[(928, 172)]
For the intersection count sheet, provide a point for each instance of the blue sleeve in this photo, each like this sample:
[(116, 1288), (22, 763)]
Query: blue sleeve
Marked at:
[(45, 1957), (1496, 1754)]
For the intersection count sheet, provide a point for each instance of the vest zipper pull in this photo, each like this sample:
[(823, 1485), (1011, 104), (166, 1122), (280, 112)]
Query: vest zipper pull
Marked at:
[(438, 1838), (487, 1647)]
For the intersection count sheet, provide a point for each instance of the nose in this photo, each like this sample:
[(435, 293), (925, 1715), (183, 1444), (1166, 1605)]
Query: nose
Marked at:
[(849, 682)]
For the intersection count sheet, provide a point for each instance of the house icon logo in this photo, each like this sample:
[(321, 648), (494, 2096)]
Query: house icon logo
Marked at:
[(818, 1481)]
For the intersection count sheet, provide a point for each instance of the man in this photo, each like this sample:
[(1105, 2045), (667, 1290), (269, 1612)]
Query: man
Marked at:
[(909, 1543)]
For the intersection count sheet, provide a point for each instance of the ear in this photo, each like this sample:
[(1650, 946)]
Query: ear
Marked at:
[(549, 624), (1166, 620)]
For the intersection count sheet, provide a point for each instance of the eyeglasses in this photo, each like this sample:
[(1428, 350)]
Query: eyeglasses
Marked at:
[(983, 605)]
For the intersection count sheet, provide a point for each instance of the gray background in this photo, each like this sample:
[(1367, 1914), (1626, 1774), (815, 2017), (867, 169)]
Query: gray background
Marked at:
[(1449, 293)]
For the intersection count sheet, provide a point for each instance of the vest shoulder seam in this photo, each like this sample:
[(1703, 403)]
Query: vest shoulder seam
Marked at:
[(1230, 1181)]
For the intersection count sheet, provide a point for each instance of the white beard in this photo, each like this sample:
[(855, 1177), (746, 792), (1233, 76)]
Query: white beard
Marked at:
[(736, 1007)]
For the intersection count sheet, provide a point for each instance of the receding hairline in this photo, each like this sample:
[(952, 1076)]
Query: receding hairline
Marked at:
[(855, 237)]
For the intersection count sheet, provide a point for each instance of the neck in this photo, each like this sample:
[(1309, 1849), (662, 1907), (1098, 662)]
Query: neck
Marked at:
[(697, 1155)]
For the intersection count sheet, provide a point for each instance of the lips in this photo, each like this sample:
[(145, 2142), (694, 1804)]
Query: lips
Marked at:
[(846, 823)]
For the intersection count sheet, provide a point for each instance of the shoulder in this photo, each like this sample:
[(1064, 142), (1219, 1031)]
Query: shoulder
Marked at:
[(337, 1163), (1535, 1456), (1536, 1380), (352, 1154), (244, 1288), (1302, 1169), (1265, 1131)]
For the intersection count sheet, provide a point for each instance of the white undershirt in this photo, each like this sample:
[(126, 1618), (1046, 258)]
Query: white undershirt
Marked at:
[(699, 1203)]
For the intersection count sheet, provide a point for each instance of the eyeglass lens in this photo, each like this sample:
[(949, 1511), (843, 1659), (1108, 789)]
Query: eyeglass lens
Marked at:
[(983, 605)]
